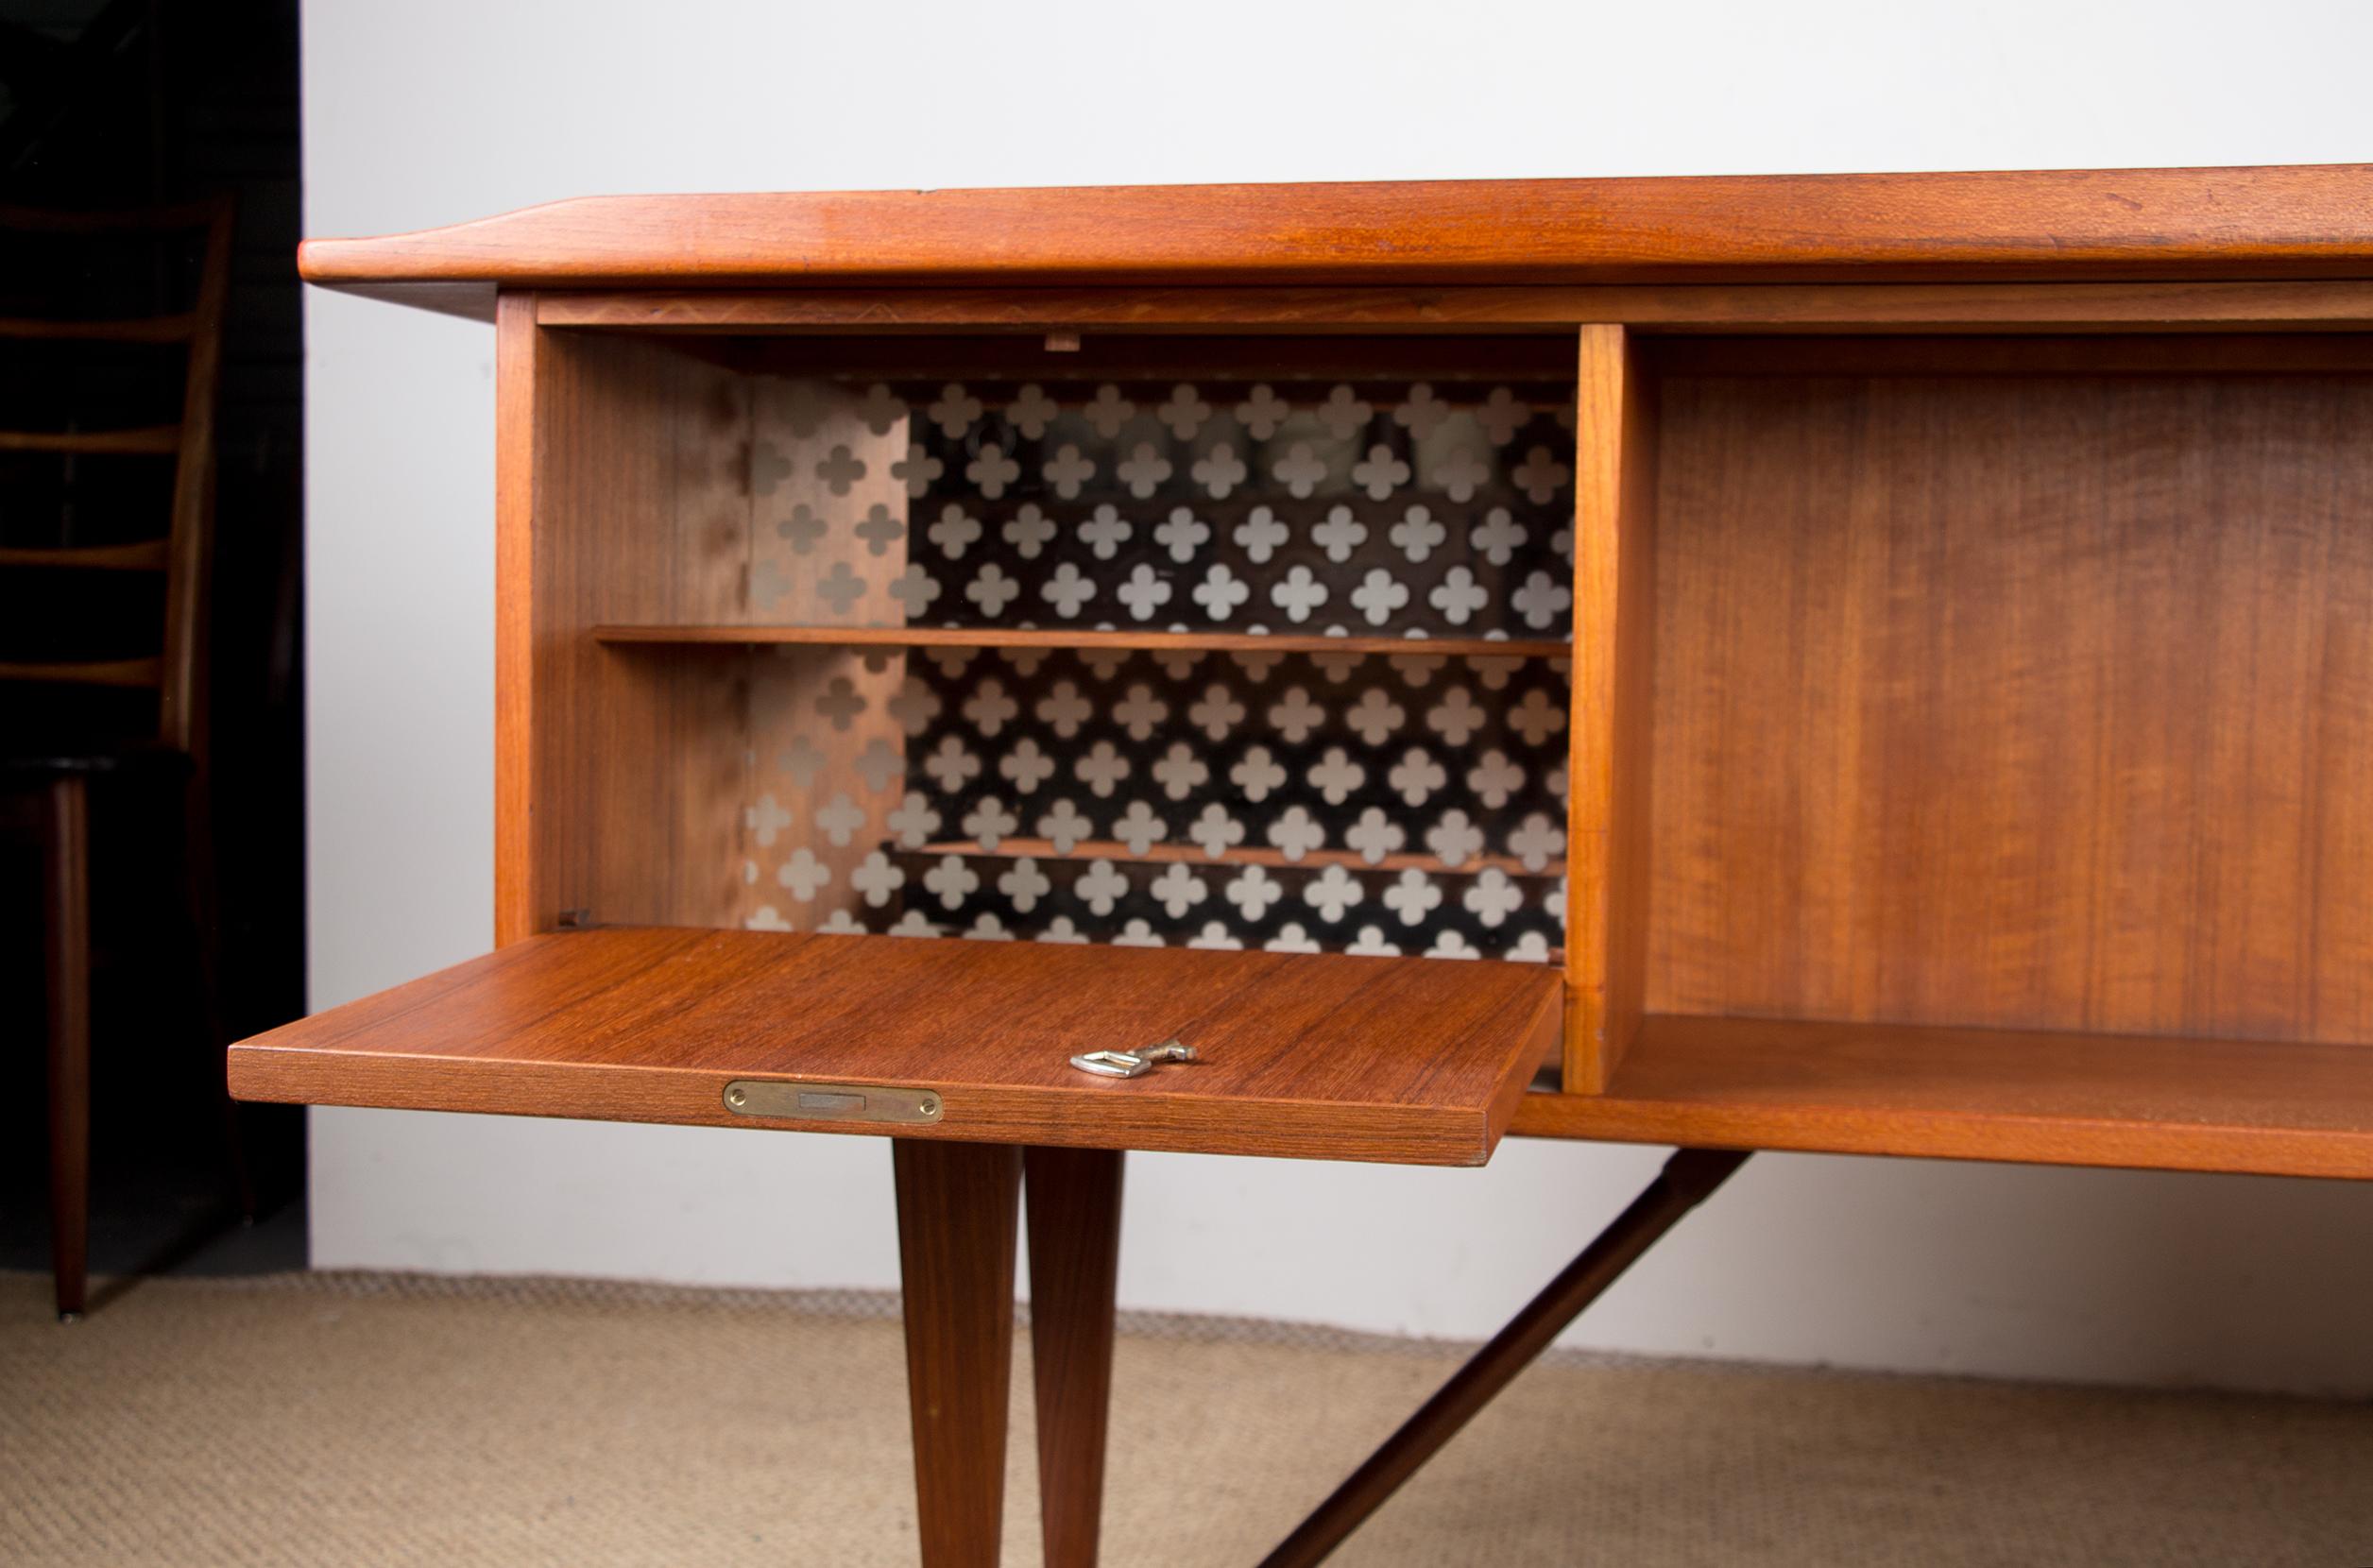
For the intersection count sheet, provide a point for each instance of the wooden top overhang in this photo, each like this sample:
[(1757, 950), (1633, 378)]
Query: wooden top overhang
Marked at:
[(2116, 225)]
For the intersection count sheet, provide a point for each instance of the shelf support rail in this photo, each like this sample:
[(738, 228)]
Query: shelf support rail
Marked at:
[(1687, 1180)]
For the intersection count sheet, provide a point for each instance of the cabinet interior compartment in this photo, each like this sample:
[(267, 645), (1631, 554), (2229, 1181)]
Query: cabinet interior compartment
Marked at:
[(1237, 643), (2001, 709)]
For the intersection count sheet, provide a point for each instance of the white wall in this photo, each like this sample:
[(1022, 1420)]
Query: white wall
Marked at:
[(438, 109)]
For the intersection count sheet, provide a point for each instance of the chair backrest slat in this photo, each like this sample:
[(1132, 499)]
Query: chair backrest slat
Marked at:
[(183, 553)]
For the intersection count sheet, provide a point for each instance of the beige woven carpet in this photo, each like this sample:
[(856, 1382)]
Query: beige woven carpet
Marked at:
[(366, 1419)]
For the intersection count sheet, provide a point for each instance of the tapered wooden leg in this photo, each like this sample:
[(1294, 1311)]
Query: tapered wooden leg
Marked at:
[(1074, 1212), (957, 1213), (66, 897)]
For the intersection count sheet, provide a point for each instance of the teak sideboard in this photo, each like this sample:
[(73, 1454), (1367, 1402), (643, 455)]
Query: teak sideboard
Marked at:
[(1875, 664)]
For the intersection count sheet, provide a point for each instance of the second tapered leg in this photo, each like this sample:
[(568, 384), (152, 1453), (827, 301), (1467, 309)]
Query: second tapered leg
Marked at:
[(1074, 1211), (957, 1204)]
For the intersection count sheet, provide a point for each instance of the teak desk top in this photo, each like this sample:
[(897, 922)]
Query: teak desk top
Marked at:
[(2100, 225), (1971, 662)]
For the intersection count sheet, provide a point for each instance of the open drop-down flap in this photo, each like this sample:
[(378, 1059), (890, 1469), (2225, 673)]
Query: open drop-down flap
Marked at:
[(1419, 1061)]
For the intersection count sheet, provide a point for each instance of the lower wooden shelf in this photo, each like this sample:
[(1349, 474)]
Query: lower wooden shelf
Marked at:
[(1146, 639), (2264, 1107), (1316, 860)]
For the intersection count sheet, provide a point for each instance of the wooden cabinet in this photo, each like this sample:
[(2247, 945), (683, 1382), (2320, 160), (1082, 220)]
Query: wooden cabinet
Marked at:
[(1807, 678)]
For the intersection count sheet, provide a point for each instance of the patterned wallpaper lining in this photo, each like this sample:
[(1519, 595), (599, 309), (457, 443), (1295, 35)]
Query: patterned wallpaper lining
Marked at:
[(1326, 802)]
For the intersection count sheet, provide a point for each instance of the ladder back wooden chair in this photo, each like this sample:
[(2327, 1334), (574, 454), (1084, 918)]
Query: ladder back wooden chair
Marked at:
[(72, 707)]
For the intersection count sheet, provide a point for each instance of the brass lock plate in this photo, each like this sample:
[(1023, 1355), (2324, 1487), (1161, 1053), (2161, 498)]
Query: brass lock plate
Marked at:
[(759, 1096)]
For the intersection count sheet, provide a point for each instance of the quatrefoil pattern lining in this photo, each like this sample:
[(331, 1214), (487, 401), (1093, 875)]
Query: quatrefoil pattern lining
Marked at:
[(1369, 508), (1334, 801), (1388, 804)]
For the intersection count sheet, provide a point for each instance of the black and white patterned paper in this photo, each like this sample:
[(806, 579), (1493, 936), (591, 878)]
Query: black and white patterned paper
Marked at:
[(1403, 802)]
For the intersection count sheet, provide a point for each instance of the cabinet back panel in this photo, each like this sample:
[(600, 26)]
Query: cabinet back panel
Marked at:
[(1365, 803), (2016, 702), (1382, 804)]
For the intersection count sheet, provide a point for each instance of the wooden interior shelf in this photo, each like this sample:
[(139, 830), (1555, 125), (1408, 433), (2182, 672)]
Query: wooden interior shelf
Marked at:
[(1316, 860), (1060, 637), (2279, 1107)]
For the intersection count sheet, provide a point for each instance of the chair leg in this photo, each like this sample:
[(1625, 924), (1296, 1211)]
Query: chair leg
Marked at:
[(66, 897), (957, 1213), (1074, 1215)]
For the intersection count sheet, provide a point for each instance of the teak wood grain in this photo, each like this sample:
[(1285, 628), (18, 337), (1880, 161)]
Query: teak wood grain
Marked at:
[(2027, 1096), (1082, 361), (517, 384), (1074, 1212), (1976, 355), (2124, 225), (1317, 1056), (1614, 607), (621, 494), (2030, 703), (2322, 304), (956, 1223)]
